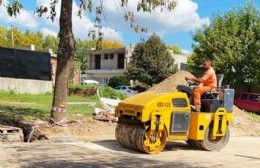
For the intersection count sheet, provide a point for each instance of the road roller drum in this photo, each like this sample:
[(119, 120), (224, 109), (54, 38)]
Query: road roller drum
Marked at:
[(138, 137)]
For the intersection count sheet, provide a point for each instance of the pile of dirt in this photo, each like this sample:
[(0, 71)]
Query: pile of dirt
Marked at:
[(91, 129), (243, 124), (170, 83)]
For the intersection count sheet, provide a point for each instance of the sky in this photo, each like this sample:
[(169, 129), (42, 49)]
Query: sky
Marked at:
[(174, 27)]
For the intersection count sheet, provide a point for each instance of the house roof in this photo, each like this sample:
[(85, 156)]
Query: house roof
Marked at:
[(113, 50)]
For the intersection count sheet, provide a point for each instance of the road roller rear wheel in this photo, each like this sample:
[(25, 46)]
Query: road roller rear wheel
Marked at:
[(138, 137), (214, 144)]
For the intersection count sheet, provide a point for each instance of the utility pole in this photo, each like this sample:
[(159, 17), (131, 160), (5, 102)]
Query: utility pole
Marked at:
[(12, 36)]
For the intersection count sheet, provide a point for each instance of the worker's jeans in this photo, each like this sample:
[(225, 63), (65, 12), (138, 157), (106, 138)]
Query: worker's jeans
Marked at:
[(197, 92)]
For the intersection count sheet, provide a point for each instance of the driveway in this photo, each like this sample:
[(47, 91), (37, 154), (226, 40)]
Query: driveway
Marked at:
[(68, 152)]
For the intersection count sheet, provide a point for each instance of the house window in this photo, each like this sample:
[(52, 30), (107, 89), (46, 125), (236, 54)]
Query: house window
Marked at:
[(111, 56), (97, 61), (121, 61), (106, 56)]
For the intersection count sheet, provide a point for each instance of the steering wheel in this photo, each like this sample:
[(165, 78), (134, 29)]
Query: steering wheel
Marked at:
[(192, 82)]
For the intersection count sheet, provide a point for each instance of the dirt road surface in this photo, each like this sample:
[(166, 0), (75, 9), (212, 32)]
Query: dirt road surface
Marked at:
[(68, 152)]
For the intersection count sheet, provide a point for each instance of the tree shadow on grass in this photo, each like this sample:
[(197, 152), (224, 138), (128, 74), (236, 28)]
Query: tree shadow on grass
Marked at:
[(13, 113), (20, 117)]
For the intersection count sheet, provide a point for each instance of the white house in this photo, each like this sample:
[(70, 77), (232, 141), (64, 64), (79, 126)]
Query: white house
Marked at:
[(102, 65), (179, 59)]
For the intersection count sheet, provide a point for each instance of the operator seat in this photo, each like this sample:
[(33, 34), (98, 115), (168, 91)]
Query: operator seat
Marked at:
[(213, 95), (210, 101)]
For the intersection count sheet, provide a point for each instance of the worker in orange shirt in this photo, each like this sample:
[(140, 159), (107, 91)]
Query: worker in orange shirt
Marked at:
[(209, 81)]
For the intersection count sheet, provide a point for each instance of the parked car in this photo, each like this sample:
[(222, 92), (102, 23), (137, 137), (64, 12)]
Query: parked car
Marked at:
[(90, 82), (248, 101), (126, 89)]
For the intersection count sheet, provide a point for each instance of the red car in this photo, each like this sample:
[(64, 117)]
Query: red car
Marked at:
[(248, 101)]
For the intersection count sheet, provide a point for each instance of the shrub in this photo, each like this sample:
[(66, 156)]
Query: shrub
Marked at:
[(117, 81), (90, 90), (140, 88), (82, 90), (108, 92)]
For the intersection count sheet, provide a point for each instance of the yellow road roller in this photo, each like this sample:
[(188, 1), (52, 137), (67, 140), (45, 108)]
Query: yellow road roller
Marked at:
[(147, 120)]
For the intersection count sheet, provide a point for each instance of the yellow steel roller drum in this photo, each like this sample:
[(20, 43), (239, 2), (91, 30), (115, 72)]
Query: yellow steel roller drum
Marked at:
[(138, 138)]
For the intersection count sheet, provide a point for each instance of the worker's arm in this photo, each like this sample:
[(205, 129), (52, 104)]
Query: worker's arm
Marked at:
[(206, 75), (198, 80)]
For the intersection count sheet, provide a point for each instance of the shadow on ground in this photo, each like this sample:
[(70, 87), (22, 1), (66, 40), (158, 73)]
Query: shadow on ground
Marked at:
[(170, 146), (119, 161), (174, 146), (97, 154)]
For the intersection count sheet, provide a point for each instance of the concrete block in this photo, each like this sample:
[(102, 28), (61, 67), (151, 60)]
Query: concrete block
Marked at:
[(25, 85), (11, 134)]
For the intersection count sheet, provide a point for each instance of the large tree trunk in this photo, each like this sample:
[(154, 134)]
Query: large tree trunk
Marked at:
[(65, 54)]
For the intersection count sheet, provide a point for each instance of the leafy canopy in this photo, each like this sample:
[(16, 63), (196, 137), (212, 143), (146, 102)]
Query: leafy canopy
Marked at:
[(108, 44), (21, 39), (175, 49), (150, 62), (232, 41)]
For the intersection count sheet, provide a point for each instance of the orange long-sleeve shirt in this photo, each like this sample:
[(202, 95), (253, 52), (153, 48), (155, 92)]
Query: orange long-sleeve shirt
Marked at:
[(210, 78)]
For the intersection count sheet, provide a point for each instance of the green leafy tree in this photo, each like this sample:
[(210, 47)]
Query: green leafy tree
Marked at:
[(108, 44), (175, 49), (82, 47), (20, 39), (5, 37), (67, 47), (150, 62), (50, 42), (32, 38), (117, 81), (232, 41)]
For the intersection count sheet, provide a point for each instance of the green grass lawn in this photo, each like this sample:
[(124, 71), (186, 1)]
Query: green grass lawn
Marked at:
[(29, 107)]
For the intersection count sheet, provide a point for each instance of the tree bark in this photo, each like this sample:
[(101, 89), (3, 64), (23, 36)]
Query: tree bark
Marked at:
[(65, 56)]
